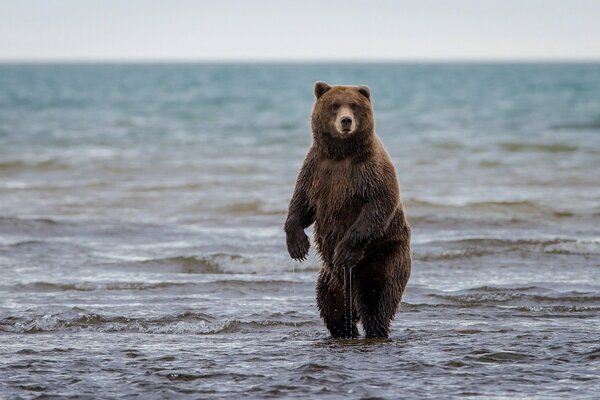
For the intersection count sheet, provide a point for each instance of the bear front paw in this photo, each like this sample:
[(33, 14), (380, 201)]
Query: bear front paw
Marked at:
[(346, 257), (298, 245)]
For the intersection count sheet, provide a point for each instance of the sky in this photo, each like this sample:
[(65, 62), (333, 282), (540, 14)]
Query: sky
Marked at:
[(299, 30)]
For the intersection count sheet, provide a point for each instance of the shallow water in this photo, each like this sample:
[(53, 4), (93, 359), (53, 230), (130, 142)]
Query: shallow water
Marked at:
[(142, 251)]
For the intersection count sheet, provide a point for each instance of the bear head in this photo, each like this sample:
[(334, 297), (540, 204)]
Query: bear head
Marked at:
[(342, 118)]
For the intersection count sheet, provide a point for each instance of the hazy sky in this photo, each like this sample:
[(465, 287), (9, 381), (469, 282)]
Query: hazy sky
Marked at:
[(299, 29)]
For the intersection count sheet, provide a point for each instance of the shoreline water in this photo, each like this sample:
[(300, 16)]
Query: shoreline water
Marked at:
[(142, 249)]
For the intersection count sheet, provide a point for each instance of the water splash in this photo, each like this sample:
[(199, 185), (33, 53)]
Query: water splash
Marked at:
[(345, 303), (351, 301), (294, 285), (348, 303)]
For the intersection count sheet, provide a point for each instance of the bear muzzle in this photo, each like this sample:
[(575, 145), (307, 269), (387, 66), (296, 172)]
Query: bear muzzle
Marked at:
[(345, 123)]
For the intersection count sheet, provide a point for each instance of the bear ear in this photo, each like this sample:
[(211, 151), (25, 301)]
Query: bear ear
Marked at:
[(321, 88), (365, 91)]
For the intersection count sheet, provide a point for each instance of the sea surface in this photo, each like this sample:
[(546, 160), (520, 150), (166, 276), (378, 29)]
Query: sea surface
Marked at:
[(142, 252)]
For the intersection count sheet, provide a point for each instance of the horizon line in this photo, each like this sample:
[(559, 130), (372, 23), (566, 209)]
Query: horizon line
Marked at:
[(308, 60)]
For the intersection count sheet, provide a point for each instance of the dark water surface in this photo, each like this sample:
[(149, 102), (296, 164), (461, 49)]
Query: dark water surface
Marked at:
[(142, 251)]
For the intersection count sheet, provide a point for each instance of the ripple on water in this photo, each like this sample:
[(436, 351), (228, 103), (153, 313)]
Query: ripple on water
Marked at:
[(184, 323), (219, 263), (93, 286), (531, 296), (494, 357)]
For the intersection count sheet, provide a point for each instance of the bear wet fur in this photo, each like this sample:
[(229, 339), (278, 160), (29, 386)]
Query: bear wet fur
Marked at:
[(348, 188)]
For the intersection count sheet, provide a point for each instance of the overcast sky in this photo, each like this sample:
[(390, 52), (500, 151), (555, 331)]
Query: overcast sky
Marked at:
[(179, 30)]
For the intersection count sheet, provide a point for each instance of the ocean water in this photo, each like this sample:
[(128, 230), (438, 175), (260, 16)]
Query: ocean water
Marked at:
[(142, 252)]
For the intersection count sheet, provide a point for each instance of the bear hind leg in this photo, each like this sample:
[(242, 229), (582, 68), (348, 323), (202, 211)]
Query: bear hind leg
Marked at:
[(334, 306), (379, 293), (377, 313)]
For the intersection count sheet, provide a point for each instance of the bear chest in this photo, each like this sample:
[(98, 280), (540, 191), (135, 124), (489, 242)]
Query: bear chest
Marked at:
[(334, 188)]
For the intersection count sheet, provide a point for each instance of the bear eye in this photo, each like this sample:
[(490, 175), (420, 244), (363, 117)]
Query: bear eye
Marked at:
[(335, 106), (354, 106)]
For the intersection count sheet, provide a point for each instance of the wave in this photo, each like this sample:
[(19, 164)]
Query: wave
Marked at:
[(139, 286), (497, 242), (27, 222), (528, 297), (448, 255), (573, 310), (169, 187), (38, 166), (192, 264), (221, 263), (580, 126), (491, 163), (590, 246), (41, 247), (449, 145), (514, 147), (480, 246), (499, 357), (27, 226), (516, 206), (559, 309), (525, 207), (26, 243), (467, 247), (246, 208), (90, 286), (184, 323)]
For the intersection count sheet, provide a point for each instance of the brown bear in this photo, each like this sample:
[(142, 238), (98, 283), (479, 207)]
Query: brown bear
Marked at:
[(347, 187)]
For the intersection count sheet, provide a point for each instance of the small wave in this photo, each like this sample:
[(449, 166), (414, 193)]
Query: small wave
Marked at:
[(139, 286), (500, 357), (559, 309), (28, 226), (517, 206), (526, 297), (185, 323), (220, 263), (27, 222), (574, 247), (466, 248), (538, 147), (55, 186), (187, 377), (480, 299), (526, 207), (169, 187), (580, 126), (91, 286), (228, 283), (493, 289), (39, 166), (477, 243), (593, 354), (246, 208), (491, 163), (449, 145), (448, 255), (191, 264), (26, 244)]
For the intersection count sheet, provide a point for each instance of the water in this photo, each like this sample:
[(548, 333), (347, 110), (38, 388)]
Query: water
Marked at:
[(142, 251)]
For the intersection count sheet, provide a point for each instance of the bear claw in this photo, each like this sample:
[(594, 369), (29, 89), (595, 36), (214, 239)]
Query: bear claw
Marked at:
[(346, 257), (298, 247)]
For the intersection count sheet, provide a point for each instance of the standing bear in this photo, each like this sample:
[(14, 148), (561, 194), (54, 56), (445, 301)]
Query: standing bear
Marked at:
[(347, 187)]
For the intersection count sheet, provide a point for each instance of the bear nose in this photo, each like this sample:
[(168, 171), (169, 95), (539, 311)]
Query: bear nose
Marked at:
[(346, 121)]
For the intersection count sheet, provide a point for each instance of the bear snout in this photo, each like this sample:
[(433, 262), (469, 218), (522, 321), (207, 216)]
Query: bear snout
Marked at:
[(345, 122)]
